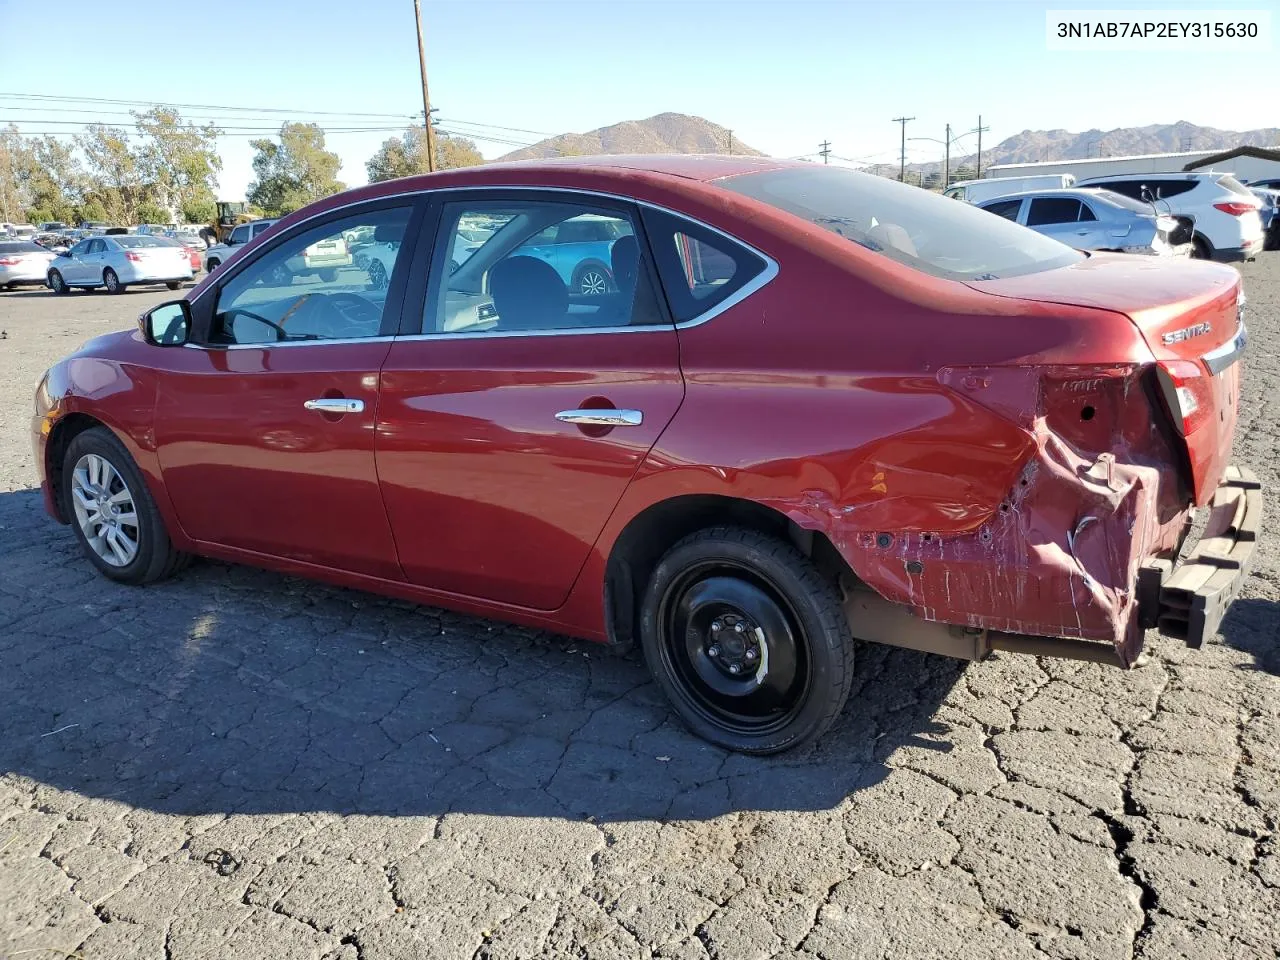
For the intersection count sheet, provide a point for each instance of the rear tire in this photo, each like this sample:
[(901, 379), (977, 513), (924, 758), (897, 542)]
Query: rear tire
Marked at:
[(174, 284), (328, 275), (747, 639), (154, 556), (212, 265), (111, 281), (1200, 249)]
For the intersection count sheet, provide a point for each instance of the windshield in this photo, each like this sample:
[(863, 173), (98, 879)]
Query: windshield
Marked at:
[(142, 241), (933, 234)]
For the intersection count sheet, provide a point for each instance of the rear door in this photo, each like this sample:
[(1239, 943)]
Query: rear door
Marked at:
[(1063, 218), (515, 412)]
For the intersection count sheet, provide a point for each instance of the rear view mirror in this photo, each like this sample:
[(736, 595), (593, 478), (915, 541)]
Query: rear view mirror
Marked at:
[(168, 325)]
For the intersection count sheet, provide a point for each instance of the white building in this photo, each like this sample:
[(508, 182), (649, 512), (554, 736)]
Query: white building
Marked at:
[(1246, 163)]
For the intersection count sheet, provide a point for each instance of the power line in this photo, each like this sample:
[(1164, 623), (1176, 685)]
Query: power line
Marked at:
[(825, 152), (198, 106)]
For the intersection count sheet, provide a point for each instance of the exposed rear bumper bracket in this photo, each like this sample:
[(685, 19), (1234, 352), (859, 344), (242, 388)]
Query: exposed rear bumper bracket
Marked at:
[(1188, 600)]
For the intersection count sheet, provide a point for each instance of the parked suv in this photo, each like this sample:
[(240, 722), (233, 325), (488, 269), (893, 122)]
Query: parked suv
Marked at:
[(579, 249), (216, 254), (1227, 226)]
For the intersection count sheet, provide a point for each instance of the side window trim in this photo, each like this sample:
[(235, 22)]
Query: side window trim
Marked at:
[(204, 306), (427, 271)]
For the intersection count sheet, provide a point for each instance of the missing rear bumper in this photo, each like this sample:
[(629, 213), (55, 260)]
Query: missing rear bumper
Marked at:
[(1188, 600)]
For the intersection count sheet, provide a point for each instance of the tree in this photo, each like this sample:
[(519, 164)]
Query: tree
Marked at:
[(293, 172), (118, 178), (152, 213), (90, 210), (178, 161), (13, 159), (406, 155), (199, 211)]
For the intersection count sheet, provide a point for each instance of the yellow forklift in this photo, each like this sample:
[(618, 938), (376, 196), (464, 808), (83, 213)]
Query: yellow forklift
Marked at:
[(230, 215)]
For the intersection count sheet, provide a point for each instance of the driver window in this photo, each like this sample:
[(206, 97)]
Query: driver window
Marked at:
[(311, 287), (538, 265)]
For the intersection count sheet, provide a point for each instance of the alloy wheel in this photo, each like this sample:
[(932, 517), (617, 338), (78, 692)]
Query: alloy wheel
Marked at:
[(593, 283), (105, 510)]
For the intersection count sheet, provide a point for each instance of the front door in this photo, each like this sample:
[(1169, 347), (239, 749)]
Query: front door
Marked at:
[(266, 437), (510, 426)]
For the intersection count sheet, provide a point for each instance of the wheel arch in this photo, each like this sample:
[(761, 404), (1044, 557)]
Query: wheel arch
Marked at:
[(654, 530), (583, 265), (66, 429)]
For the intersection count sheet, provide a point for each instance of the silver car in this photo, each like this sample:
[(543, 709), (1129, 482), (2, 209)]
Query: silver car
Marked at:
[(117, 262), (23, 262), (1091, 219)]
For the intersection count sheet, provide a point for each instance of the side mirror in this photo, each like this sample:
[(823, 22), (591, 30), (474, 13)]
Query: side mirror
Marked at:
[(167, 325)]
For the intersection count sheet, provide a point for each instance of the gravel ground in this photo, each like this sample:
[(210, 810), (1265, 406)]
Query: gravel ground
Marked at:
[(236, 764)]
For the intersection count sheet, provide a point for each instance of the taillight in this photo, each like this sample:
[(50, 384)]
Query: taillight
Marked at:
[(9, 261), (1235, 208), (1187, 393), (130, 255)]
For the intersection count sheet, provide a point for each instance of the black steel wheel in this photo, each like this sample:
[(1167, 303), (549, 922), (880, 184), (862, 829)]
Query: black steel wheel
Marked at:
[(747, 640)]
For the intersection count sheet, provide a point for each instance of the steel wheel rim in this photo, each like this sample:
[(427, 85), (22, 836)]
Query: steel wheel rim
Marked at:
[(593, 283), (769, 689), (105, 510)]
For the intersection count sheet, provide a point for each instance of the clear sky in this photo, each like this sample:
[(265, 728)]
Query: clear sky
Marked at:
[(782, 75)]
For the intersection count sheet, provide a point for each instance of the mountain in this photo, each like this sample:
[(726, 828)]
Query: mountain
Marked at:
[(665, 133), (1033, 145)]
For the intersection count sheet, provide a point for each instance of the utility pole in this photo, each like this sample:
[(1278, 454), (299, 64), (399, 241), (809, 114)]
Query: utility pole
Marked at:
[(946, 162), (825, 151), (902, 164), (426, 98), (979, 131), (731, 143)]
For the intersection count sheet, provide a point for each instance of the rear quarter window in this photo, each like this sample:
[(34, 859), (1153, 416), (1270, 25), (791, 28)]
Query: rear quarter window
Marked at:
[(700, 268)]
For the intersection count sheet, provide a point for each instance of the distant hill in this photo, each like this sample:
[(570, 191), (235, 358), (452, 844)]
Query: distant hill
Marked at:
[(1030, 146), (665, 133)]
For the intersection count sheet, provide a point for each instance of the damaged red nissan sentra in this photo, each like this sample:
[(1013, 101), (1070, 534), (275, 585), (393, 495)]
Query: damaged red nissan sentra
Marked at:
[(737, 410)]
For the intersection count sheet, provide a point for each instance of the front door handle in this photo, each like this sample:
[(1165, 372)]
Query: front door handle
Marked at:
[(602, 418), (335, 405)]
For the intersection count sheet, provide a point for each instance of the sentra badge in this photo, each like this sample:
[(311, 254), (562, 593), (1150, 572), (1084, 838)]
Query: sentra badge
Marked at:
[(1186, 333)]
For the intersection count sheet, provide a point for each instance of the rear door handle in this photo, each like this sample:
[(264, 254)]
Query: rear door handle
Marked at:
[(335, 405), (602, 418)]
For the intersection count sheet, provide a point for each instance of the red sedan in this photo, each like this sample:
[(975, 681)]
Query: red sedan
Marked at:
[(810, 405)]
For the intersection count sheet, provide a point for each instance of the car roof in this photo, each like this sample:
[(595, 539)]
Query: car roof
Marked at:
[(1075, 193), (1152, 176)]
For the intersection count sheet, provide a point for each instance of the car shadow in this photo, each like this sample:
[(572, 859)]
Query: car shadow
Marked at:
[(229, 689), (1250, 625)]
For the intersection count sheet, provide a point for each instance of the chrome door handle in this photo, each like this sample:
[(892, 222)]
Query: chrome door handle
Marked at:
[(335, 405), (602, 418)]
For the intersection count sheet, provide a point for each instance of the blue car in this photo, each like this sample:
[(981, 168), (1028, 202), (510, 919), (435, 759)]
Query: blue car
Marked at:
[(579, 249)]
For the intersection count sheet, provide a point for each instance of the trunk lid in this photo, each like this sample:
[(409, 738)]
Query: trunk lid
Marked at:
[(1191, 315)]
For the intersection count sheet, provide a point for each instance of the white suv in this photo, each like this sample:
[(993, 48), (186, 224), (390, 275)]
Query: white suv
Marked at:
[(239, 236), (1228, 226)]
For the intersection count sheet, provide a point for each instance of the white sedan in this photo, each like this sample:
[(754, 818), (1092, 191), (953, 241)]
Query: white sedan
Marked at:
[(22, 261), (116, 262)]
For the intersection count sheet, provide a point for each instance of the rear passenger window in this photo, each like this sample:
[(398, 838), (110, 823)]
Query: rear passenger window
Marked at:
[(1047, 210), (699, 267)]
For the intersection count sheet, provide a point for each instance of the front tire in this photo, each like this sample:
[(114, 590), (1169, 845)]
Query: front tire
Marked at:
[(57, 284), (112, 512), (747, 639), (212, 265), (592, 281), (111, 281)]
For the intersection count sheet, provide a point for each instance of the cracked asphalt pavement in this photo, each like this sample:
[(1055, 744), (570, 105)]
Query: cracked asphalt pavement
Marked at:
[(236, 764)]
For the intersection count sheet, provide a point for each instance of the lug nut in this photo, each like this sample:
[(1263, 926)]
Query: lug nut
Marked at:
[(750, 654), (713, 651), (715, 626), (734, 668), (739, 627)]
